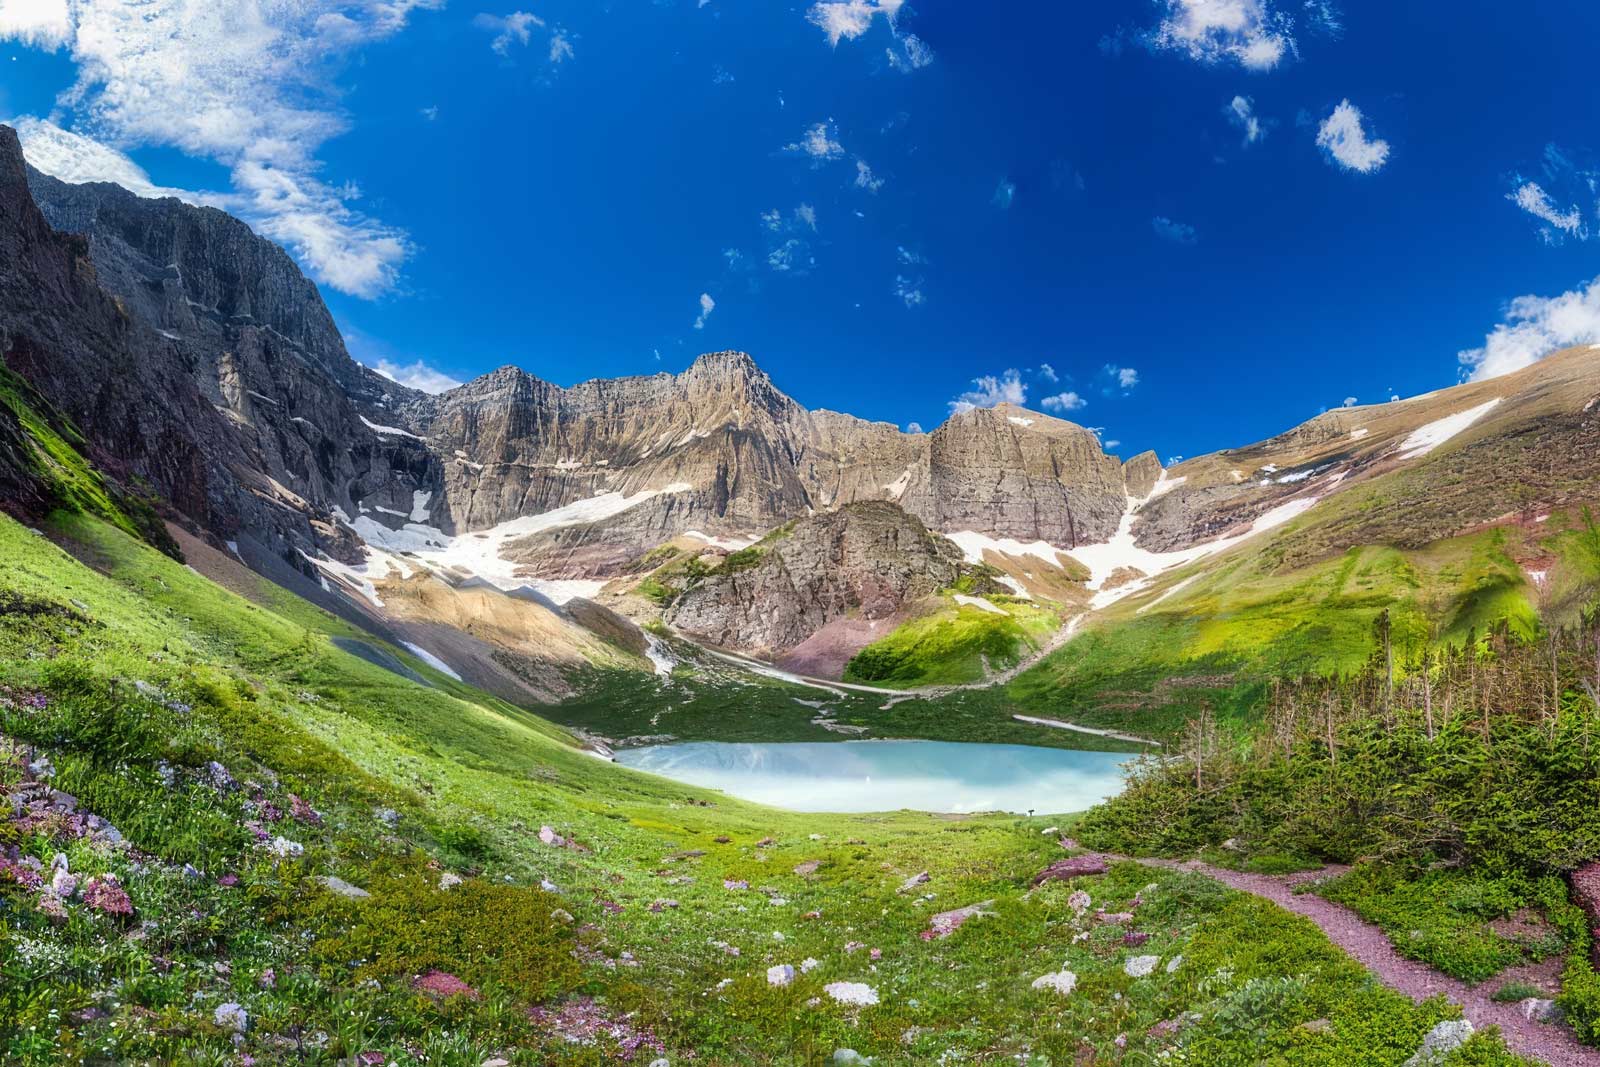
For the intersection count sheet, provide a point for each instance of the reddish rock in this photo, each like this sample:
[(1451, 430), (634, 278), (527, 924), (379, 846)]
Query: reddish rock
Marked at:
[(1072, 867)]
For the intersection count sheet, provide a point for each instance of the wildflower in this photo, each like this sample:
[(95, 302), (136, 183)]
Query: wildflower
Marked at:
[(303, 812), (441, 985), (105, 895)]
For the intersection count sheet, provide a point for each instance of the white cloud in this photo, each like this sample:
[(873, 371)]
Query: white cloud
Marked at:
[(1534, 327), (1531, 197), (707, 306), (430, 113), (908, 257), (1048, 373), (865, 178), (244, 84), (515, 28), (909, 290), (1347, 143), (793, 255), (1064, 402), (1111, 444), (1246, 32), (908, 53), (416, 375), (913, 427), (1179, 233), (1124, 377), (820, 142), (1005, 194), (1241, 112), (849, 19), (75, 158), (560, 46), (36, 23), (1350, 402), (807, 216), (989, 390)]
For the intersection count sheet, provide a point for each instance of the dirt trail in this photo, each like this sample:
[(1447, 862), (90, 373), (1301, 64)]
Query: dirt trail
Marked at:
[(1367, 944)]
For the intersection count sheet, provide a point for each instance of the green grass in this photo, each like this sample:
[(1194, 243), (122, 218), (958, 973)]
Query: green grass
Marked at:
[(954, 644), (134, 677)]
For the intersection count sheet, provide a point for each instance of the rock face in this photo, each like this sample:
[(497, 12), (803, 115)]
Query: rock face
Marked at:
[(228, 316), (869, 558)]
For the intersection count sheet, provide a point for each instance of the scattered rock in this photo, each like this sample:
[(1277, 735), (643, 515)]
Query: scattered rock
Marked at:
[(780, 975), (1071, 867), (449, 880), (808, 868), (1062, 982), (1316, 1026), (946, 923), (1048, 830), (1174, 963), (342, 887), (1140, 966), (550, 837), (1442, 1040), (851, 1057), (921, 878), (1538, 1009), (563, 916)]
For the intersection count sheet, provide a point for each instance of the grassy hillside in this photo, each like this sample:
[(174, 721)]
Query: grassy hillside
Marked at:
[(243, 757), (1213, 637), (954, 644)]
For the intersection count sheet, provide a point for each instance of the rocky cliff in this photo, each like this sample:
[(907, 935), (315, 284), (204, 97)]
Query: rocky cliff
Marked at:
[(864, 560)]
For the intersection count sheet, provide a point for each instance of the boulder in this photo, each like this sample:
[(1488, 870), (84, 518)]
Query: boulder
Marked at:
[(1071, 867), (1440, 1042)]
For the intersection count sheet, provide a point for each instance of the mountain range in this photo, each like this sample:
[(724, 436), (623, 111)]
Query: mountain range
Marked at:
[(166, 365)]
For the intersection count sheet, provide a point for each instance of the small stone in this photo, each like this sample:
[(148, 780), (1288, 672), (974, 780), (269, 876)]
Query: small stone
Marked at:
[(1538, 1009), (809, 964), (1316, 1026), (1440, 1042), (550, 837), (911, 883), (1140, 966), (1062, 982), (1174, 963), (563, 916), (449, 880), (851, 1057), (342, 887), (808, 868), (780, 975)]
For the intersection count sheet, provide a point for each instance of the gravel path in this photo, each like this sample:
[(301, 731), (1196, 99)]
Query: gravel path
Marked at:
[(1366, 943)]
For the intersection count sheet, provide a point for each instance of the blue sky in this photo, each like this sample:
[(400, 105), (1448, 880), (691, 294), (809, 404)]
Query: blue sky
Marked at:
[(1190, 222)]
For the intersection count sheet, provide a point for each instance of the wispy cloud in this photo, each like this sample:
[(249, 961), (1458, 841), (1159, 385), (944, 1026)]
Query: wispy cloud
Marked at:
[(1048, 373), (1179, 233), (1531, 197), (989, 390), (249, 91), (865, 179), (1241, 111), (1005, 194), (1534, 327), (1343, 136), (513, 29), (707, 306), (820, 142), (909, 290), (908, 53)]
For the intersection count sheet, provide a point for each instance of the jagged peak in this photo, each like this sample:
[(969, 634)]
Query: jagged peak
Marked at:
[(730, 362)]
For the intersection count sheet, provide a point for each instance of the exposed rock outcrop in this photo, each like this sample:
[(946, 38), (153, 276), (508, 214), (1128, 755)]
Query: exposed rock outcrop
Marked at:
[(868, 558)]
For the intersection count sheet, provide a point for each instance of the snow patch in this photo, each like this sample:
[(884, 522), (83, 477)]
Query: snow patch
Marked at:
[(1436, 433), (727, 544), (393, 431), (419, 505), (973, 544), (897, 488), (431, 660), (1015, 586), (980, 603)]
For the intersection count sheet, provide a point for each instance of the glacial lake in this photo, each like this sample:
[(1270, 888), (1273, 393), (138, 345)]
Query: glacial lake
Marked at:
[(861, 776)]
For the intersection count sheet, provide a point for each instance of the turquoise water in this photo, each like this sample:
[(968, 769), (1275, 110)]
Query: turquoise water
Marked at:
[(855, 776)]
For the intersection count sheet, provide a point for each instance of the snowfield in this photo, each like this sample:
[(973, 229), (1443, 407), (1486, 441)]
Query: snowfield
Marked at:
[(1431, 436)]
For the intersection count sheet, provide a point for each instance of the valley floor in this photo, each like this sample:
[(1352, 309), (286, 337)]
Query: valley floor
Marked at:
[(230, 841)]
